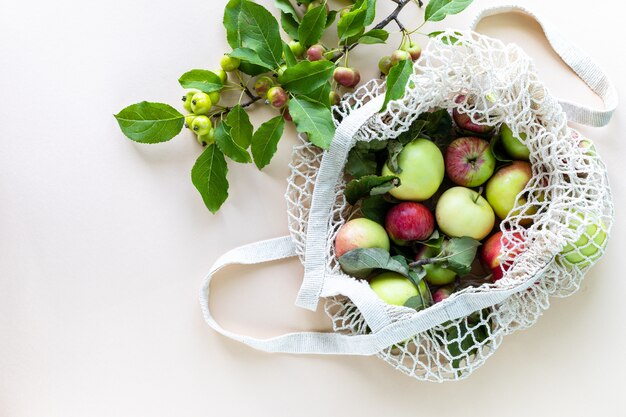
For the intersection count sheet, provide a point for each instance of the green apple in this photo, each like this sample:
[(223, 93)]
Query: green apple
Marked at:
[(422, 168), (435, 274), (590, 246), (505, 185), (512, 144), (360, 233), (462, 212), (395, 289)]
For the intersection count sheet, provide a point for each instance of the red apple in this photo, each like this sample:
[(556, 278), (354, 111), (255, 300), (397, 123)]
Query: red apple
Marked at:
[(464, 122), (442, 293), (469, 161), (360, 233), (491, 251), (408, 222)]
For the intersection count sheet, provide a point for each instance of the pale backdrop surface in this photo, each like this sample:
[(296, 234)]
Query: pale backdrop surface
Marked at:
[(103, 243)]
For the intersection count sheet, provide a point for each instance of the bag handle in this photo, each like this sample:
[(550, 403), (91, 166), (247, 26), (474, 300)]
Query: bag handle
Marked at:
[(383, 335), (586, 69)]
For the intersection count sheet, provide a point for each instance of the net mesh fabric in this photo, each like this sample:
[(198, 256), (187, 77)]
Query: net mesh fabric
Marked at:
[(554, 234)]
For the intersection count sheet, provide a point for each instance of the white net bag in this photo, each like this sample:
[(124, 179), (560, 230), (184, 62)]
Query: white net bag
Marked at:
[(556, 232)]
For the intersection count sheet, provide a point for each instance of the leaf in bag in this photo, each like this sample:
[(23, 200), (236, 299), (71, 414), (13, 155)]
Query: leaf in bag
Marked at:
[(362, 261), (448, 39), (375, 208), (397, 80), (394, 148), (369, 185), (459, 253), (438, 125), (437, 10), (360, 163), (495, 144)]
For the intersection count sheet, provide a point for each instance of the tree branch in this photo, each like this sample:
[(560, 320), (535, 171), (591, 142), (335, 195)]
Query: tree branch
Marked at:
[(393, 16)]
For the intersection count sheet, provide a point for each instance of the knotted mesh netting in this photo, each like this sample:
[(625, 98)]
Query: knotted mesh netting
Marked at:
[(557, 230)]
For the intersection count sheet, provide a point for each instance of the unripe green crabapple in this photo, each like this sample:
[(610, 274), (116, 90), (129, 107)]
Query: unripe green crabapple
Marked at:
[(201, 103), (262, 85), (228, 63), (201, 125)]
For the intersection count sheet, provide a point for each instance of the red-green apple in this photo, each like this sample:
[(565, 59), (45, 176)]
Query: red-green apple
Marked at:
[(492, 249), (503, 188), (513, 145), (442, 293), (469, 161), (435, 274), (360, 233), (465, 123), (395, 289), (589, 246), (407, 222), (462, 212), (422, 168)]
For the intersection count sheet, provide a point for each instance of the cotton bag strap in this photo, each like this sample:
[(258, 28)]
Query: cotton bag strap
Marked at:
[(586, 69), (382, 336)]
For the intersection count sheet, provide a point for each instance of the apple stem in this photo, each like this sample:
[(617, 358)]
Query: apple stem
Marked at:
[(421, 262), (478, 194)]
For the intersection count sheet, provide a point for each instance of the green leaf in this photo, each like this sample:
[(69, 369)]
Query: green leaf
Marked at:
[(498, 149), (369, 185), (330, 18), (463, 341), (394, 148), (209, 177), (250, 56), (289, 25), (231, 22), (285, 6), (438, 125), (251, 69), (437, 10), (448, 39), (312, 26), (375, 208), (306, 76), (314, 119), (374, 36), (259, 32), (203, 80), (370, 11), (265, 140), (147, 122), (360, 163), (434, 241), (361, 262), (234, 135), (396, 81), (459, 253), (321, 95), (372, 145), (290, 58), (351, 24)]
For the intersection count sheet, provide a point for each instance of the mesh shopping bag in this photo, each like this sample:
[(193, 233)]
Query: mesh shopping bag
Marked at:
[(553, 235)]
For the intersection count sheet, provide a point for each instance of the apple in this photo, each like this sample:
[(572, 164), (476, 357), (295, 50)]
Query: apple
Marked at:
[(464, 121), (503, 188), (422, 168), (514, 145), (491, 251), (435, 274), (315, 53), (409, 221), (462, 212), (360, 233), (469, 161), (589, 246), (395, 289), (442, 293)]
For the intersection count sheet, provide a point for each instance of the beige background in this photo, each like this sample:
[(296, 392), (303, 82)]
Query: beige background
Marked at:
[(103, 242)]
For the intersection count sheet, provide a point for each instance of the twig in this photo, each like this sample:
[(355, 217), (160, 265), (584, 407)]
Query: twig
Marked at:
[(253, 99), (393, 16)]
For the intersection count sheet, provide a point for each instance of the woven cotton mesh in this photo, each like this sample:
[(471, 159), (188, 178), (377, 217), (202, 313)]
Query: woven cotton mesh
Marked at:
[(557, 230)]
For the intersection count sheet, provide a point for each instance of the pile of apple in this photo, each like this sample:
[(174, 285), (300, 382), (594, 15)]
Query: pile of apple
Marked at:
[(427, 210)]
